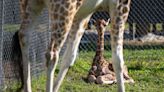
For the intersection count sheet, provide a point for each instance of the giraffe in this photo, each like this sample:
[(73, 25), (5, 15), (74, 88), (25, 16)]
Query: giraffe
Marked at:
[(102, 71), (68, 19), (100, 66)]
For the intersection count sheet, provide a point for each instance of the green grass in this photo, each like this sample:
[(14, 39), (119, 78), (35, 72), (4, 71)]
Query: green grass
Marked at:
[(11, 27), (146, 70)]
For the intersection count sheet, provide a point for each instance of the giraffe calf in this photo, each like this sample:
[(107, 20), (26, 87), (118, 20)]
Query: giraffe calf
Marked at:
[(107, 75), (102, 71)]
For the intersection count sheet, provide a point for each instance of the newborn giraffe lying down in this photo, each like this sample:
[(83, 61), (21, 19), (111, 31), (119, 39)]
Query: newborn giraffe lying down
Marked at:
[(106, 75), (102, 71)]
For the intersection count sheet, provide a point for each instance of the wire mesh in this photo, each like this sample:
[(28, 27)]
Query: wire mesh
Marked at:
[(144, 31), (10, 59)]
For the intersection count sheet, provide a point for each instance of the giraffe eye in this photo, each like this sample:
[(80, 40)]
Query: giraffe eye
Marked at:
[(125, 10)]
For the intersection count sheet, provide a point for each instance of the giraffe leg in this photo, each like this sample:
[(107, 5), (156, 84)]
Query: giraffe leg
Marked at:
[(61, 23), (52, 55), (119, 16), (51, 66), (29, 13), (69, 57)]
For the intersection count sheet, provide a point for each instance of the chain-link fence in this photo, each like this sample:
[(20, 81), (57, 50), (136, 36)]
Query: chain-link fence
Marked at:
[(144, 30), (9, 51)]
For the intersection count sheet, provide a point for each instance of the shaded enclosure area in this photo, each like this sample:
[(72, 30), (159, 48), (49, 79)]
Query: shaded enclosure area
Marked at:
[(146, 16)]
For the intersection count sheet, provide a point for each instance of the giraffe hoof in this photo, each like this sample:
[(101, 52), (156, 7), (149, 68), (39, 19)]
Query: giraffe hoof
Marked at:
[(105, 79), (131, 81), (91, 78)]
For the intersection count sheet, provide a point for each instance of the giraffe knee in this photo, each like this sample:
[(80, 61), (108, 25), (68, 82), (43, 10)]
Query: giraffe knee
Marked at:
[(51, 57)]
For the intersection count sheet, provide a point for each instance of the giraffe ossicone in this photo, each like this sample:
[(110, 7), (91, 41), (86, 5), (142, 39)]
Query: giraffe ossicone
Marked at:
[(68, 19)]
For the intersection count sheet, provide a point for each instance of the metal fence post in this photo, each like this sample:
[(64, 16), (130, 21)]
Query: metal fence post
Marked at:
[(1, 43)]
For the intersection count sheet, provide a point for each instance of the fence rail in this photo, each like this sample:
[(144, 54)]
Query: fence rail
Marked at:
[(144, 30)]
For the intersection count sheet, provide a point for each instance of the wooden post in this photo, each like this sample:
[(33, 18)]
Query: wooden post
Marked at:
[(134, 30)]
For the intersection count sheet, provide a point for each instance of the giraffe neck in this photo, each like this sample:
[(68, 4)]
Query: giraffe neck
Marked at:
[(100, 42)]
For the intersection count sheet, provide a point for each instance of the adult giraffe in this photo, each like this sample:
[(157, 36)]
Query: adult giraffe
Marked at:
[(65, 15)]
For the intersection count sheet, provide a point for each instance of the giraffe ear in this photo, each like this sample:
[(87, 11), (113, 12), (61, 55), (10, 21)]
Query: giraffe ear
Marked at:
[(94, 21), (126, 2), (108, 20)]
